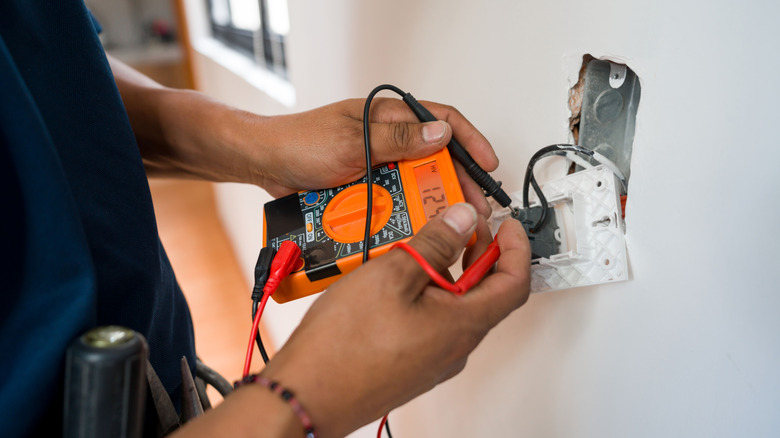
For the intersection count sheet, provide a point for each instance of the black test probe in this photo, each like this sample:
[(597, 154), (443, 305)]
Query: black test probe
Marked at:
[(488, 184)]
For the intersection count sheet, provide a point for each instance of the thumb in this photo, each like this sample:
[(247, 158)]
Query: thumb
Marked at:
[(440, 243), (404, 140)]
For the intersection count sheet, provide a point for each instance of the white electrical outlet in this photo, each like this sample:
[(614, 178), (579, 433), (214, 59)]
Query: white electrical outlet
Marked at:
[(590, 231)]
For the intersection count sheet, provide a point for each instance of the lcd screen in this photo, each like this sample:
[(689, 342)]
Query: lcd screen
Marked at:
[(431, 189)]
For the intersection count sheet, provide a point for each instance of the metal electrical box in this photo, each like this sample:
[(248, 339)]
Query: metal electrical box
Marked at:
[(608, 116)]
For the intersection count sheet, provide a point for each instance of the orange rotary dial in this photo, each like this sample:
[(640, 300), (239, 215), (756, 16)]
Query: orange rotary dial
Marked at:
[(344, 219)]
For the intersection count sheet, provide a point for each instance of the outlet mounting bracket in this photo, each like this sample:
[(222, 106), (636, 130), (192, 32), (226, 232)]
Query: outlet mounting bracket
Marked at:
[(590, 231)]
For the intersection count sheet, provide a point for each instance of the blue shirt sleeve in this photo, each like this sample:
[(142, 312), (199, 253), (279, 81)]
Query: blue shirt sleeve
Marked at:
[(95, 22)]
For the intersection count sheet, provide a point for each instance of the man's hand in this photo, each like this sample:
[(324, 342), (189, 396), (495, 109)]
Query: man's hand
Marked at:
[(186, 134), (384, 334), (381, 336), (324, 147)]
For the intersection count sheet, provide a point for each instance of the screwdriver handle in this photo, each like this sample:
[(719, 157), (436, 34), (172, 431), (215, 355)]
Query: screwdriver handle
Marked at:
[(105, 384)]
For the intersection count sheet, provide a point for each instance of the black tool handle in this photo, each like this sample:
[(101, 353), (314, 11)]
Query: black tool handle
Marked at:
[(105, 384), (488, 184)]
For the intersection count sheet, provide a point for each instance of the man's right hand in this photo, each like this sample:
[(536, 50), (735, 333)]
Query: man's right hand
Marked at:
[(384, 334)]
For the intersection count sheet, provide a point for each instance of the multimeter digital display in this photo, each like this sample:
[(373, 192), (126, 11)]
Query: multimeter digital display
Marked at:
[(329, 224), (431, 189)]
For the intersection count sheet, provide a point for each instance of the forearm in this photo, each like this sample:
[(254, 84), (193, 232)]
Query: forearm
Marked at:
[(185, 134), (251, 412)]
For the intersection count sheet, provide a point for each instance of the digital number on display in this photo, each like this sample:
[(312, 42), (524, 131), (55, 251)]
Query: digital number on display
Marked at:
[(431, 189)]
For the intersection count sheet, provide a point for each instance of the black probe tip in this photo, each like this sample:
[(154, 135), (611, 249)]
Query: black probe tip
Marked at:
[(502, 198)]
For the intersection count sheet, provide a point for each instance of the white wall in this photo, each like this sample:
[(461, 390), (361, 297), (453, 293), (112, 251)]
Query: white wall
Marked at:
[(690, 346)]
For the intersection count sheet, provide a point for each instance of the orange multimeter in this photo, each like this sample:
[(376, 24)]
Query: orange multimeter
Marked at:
[(329, 225)]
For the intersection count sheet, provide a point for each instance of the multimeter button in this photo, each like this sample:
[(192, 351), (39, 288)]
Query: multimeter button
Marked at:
[(311, 198), (344, 219)]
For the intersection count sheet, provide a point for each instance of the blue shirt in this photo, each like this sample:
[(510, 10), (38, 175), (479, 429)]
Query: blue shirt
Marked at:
[(79, 238)]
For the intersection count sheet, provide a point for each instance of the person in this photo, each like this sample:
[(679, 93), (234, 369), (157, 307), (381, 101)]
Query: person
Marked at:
[(80, 133)]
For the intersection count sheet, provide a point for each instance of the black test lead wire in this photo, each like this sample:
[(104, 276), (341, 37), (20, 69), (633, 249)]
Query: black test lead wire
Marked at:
[(262, 271), (369, 176), (258, 339), (370, 186)]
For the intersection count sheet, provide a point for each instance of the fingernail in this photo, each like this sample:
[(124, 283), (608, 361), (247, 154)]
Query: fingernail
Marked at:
[(461, 217), (433, 132)]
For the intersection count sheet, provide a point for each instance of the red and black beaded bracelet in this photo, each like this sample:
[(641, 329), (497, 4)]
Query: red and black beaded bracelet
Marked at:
[(287, 396)]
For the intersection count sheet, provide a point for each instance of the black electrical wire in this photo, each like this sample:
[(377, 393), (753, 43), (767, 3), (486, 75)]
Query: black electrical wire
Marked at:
[(387, 428), (529, 179), (369, 176), (258, 339), (262, 270), (543, 201)]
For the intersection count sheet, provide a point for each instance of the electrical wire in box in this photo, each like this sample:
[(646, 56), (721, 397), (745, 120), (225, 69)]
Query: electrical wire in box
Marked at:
[(571, 152)]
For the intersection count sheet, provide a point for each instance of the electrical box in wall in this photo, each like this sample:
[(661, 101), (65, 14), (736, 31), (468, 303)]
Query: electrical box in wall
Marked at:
[(610, 98), (575, 225)]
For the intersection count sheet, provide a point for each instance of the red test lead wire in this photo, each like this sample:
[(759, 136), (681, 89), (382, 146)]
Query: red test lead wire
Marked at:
[(255, 325), (471, 276), (285, 260), (381, 425), (474, 273)]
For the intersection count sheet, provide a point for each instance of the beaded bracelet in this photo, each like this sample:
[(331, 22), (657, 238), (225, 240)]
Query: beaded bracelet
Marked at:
[(287, 396)]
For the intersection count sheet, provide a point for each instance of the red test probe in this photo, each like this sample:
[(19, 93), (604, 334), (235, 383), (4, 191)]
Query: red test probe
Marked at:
[(471, 276)]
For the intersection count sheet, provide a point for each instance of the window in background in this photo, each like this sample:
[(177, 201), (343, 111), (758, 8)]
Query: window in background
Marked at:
[(256, 28)]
